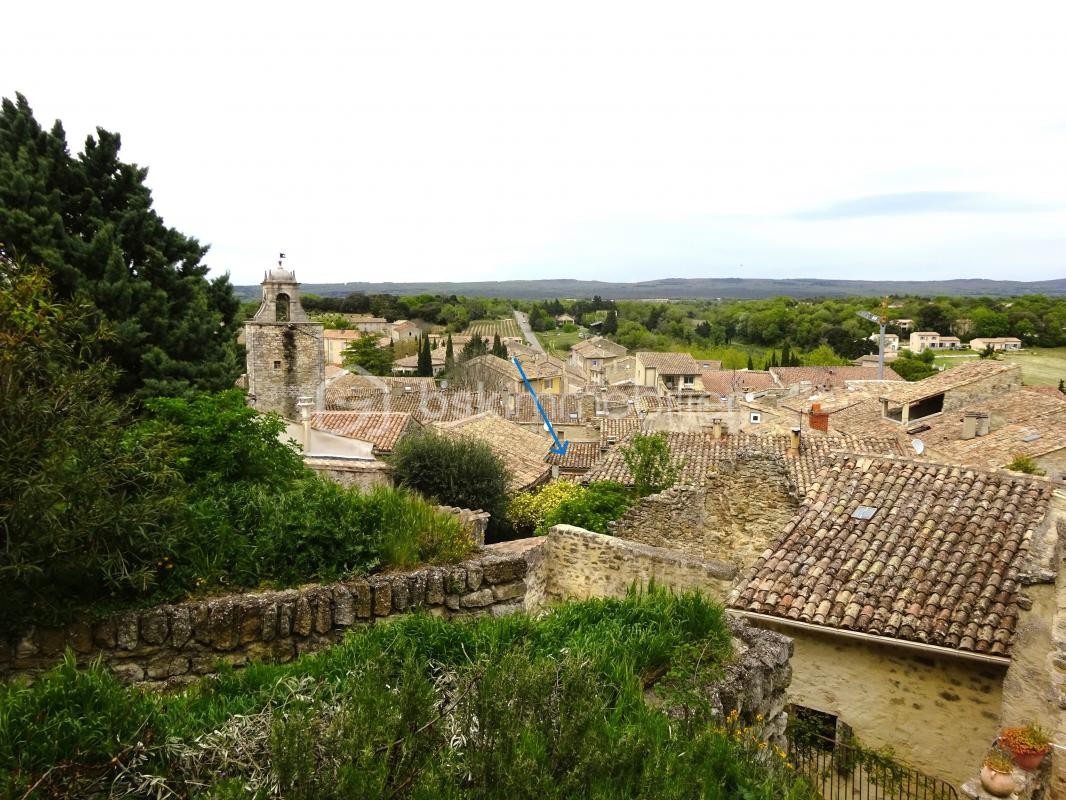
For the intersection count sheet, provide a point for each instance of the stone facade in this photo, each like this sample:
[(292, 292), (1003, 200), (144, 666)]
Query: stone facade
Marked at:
[(937, 713), (172, 645), (732, 519), (285, 351)]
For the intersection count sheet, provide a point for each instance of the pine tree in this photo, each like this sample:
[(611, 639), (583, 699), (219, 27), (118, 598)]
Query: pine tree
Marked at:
[(425, 360), (89, 220), (449, 355)]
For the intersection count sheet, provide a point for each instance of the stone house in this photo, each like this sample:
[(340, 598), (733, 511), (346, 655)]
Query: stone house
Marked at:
[(593, 357), (546, 375), (405, 330), (821, 378), (891, 341), (335, 341), (520, 449), (380, 431), (923, 605), (952, 389), (998, 343), (902, 324), (668, 372), (408, 365), (564, 319), (368, 324)]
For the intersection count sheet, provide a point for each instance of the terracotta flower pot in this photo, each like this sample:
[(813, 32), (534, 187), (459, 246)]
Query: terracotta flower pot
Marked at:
[(1029, 761), (1000, 784)]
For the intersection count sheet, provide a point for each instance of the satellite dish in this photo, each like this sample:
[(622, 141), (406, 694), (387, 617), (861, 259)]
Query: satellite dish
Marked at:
[(444, 384), (918, 445), (749, 396)]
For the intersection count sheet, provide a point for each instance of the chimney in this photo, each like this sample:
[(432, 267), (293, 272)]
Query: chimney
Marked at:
[(717, 428), (969, 425), (794, 441), (982, 423), (819, 419)]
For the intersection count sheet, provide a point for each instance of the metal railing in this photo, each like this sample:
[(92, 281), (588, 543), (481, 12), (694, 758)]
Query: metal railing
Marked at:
[(842, 772)]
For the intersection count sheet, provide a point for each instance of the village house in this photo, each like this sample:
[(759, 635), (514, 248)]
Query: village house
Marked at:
[(997, 343), (891, 341), (408, 365), (907, 403), (822, 378), (335, 342), (921, 341), (564, 319), (903, 324), (405, 330), (921, 599), (668, 372), (521, 450), (594, 356), (368, 324), (546, 375)]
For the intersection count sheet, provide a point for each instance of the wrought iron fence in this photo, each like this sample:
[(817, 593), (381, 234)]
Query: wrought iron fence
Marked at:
[(842, 772)]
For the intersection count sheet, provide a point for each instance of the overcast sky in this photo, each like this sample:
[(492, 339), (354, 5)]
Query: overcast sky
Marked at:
[(486, 141)]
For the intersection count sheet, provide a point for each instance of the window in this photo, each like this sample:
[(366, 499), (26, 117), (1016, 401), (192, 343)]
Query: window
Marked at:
[(755, 417), (277, 365), (548, 383)]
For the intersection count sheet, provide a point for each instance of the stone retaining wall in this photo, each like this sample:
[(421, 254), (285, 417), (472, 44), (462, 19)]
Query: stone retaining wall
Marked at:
[(580, 564), (171, 645)]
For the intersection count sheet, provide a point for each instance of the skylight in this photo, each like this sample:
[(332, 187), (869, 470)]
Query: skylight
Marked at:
[(863, 512)]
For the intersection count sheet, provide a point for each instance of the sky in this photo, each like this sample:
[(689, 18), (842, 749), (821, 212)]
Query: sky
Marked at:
[(395, 141)]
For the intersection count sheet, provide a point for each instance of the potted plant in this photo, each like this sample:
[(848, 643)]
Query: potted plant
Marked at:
[(1028, 744), (997, 773)]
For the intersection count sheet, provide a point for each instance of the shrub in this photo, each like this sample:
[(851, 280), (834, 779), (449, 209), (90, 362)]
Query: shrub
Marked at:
[(648, 460), (496, 708), (526, 510), (591, 508), (453, 472), (82, 504)]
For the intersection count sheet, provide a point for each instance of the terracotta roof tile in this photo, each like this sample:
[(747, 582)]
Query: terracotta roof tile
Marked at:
[(937, 562), (698, 454), (521, 450), (670, 363), (382, 430), (579, 457), (953, 378), (736, 381), (829, 376)]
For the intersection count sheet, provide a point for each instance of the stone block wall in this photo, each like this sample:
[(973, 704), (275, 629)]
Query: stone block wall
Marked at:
[(476, 522), (983, 389), (362, 475), (171, 645), (731, 519), (285, 361), (579, 564)]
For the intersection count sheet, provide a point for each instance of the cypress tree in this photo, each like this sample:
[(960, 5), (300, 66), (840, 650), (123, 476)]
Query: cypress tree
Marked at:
[(425, 360), (786, 355), (497, 346), (449, 355), (751, 364)]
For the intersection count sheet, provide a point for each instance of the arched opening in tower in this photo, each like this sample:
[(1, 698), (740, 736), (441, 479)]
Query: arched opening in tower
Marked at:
[(281, 306)]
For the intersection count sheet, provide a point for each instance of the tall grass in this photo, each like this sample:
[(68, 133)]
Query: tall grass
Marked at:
[(420, 708)]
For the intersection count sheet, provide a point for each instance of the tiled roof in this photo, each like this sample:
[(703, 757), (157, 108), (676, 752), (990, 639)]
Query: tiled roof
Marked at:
[(697, 454), (435, 406), (709, 365), (579, 457), (1024, 422), (736, 381), (670, 363), (351, 384), (614, 430), (382, 430), (520, 449), (829, 376), (598, 347), (563, 409), (937, 563), (950, 379)]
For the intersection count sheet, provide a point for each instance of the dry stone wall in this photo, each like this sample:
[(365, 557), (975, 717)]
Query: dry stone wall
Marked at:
[(732, 519), (171, 645)]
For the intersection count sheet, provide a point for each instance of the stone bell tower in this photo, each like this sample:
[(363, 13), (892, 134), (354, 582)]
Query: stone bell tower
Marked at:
[(286, 359)]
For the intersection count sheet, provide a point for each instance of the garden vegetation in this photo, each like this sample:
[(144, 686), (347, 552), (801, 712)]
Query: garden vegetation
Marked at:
[(604, 698)]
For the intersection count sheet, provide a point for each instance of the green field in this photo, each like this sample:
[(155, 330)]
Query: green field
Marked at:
[(1041, 366), (486, 328), (558, 342)]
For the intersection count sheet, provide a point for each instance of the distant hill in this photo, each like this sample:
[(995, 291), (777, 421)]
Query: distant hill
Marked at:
[(688, 288)]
